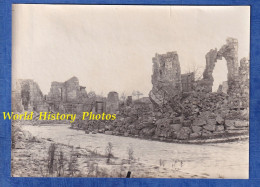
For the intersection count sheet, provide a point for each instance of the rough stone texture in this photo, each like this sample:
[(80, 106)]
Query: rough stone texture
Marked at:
[(206, 133), (17, 105), (68, 97), (230, 52), (229, 123), (187, 82), (199, 122), (220, 128), (112, 103), (196, 129), (243, 88), (175, 127), (27, 96), (184, 133), (166, 77), (239, 124), (68, 91), (178, 107), (211, 122), (223, 87), (186, 109), (129, 100), (219, 120), (211, 59), (210, 127), (195, 135)]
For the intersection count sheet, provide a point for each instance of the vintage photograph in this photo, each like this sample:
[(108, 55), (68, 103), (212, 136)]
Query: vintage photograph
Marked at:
[(127, 91)]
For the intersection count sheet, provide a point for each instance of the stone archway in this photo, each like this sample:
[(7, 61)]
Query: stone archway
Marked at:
[(230, 52)]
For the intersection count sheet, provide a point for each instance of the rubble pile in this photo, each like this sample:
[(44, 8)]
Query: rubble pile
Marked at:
[(179, 108), (185, 109)]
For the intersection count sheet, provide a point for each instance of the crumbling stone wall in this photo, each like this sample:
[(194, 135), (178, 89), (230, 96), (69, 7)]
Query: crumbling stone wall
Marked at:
[(185, 109), (187, 82), (112, 102), (27, 96), (66, 96), (230, 52), (166, 77), (68, 91), (17, 105)]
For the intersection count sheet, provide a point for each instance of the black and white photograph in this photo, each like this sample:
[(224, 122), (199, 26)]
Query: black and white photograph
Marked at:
[(133, 91)]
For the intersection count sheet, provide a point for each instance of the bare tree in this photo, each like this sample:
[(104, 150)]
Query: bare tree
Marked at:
[(197, 70), (123, 96), (92, 98)]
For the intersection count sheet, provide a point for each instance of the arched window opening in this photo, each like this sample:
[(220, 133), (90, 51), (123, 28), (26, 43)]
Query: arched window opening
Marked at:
[(220, 76)]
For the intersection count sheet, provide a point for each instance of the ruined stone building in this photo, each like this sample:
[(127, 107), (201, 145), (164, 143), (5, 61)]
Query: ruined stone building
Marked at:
[(237, 85), (67, 96), (112, 102), (26, 95), (230, 52), (167, 78), (187, 81), (63, 97), (199, 111)]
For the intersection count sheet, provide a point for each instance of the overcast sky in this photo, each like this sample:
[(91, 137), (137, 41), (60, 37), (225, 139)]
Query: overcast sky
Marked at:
[(110, 48)]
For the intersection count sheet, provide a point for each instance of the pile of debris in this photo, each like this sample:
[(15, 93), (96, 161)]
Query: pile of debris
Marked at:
[(181, 108)]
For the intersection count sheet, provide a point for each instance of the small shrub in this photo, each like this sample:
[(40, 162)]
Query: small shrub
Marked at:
[(109, 152), (162, 162), (60, 165), (72, 163), (130, 152), (51, 158)]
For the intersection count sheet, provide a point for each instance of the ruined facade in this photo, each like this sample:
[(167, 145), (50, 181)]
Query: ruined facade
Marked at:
[(187, 82), (63, 97), (179, 108), (230, 52), (112, 102), (68, 91), (192, 110), (129, 100), (237, 85), (166, 77), (67, 96), (27, 96)]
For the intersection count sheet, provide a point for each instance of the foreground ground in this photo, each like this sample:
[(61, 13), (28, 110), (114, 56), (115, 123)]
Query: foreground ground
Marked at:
[(149, 158)]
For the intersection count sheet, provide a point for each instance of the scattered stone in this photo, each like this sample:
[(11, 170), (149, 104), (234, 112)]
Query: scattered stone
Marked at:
[(196, 129), (195, 135), (210, 127), (175, 127), (219, 120), (186, 123), (229, 123), (206, 133), (199, 122), (211, 122), (239, 124), (220, 128), (108, 132), (184, 133)]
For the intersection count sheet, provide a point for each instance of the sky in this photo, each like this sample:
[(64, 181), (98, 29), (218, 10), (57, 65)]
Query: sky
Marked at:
[(110, 47)]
